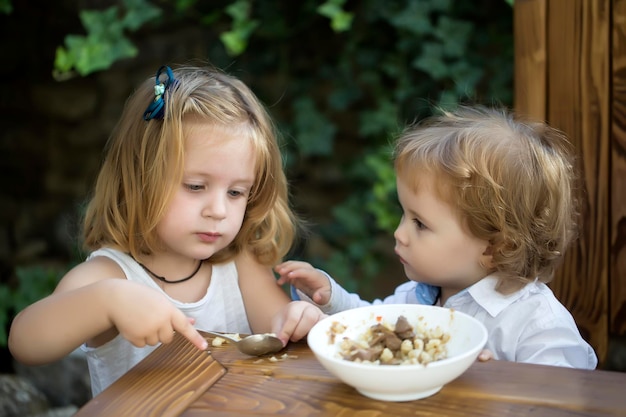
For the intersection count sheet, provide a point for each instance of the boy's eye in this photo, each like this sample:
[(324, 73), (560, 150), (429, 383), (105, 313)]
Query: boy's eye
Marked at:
[(419, 224)]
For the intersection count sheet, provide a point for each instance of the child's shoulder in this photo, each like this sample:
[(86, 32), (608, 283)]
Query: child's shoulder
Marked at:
[(109, 252), (537, 303), (535, 299), (92, 270)]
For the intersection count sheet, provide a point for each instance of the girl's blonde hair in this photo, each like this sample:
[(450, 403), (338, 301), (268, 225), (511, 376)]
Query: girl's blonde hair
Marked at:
[(144, 163), (512, 183)]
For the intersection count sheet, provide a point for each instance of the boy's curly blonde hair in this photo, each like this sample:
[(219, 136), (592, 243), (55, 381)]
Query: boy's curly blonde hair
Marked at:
[(144, 165), (512, 182)]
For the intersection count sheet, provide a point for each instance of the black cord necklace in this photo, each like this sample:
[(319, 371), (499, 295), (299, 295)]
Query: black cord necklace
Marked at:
[(167, 281)]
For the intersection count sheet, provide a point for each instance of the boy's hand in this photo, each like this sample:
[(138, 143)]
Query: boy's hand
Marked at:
[(485, 355), (295, 320), (306, 278)]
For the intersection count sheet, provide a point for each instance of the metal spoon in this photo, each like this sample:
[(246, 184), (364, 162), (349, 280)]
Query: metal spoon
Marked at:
[(255, 344)]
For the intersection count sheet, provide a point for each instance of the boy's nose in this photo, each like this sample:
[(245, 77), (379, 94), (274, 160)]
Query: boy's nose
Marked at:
[(399, 234)]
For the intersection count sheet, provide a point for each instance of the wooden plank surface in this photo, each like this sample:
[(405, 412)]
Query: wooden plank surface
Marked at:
[(164, 384), (299, 386), (177, 379)]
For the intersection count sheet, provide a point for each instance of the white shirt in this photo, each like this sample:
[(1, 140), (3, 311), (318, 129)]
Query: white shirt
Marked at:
[(529, 325)]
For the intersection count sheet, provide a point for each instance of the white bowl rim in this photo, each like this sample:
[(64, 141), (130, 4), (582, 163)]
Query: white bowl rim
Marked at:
[(474, 351)]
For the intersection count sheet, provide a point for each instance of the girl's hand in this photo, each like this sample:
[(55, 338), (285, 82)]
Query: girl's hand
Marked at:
[(295, 320), (145, 317), (306, 278)]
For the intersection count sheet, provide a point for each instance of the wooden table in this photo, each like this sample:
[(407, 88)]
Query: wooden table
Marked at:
[(178, 380)]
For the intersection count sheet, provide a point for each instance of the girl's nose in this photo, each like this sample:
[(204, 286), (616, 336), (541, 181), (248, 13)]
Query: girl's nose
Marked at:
[(215, 207)]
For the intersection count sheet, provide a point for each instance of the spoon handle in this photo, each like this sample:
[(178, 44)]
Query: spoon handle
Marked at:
[(222, 335)]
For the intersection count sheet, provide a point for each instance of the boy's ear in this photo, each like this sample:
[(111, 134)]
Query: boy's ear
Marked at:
[(486, 259)]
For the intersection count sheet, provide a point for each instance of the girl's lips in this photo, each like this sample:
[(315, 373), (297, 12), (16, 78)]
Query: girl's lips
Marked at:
[(209, 237)]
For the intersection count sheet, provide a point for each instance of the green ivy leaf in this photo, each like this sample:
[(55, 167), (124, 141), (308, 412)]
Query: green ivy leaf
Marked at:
[(383, 204), (33, 284), (343, 96), (448, 100), (184, 5), (414, 19), (466, 77), (431, 61), (239, 10), (236, 39), (92, 54), (6, 7), (6, 306), (105, 42), (233, 41), (314, 132), (139, 12), (102, 24), (340, 20), (63, 60), (454, 35), (379, 121)]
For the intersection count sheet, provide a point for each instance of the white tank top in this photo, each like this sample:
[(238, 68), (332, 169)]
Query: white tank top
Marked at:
[(221, 309)]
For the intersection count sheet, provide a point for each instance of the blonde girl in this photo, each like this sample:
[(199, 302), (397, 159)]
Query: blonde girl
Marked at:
[(188, 214)]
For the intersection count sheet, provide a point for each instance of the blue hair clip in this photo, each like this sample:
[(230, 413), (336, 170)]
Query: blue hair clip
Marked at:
[(156, 109)]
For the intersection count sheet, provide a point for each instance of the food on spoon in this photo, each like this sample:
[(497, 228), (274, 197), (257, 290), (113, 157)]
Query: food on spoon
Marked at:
[(399, 344), (219, 341)]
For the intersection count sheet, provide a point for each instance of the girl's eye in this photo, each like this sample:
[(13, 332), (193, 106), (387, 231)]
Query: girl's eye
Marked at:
[(194, 187), (419, 224), (235, 193)]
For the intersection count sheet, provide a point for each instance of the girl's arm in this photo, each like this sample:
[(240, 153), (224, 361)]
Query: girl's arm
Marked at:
[(268, 307), (87, 305), (261, 296)]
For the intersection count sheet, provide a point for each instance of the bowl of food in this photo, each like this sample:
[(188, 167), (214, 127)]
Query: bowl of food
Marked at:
[(397, 352)]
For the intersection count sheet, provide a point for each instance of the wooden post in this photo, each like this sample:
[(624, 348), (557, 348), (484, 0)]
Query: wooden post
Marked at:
[(566, 45), (617, 271)]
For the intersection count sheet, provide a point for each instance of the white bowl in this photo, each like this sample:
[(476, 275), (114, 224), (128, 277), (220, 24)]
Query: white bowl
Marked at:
[(468, 337)]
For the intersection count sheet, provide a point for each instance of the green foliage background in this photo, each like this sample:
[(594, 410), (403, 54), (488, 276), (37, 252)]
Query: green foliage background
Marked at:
[(341, 78)]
